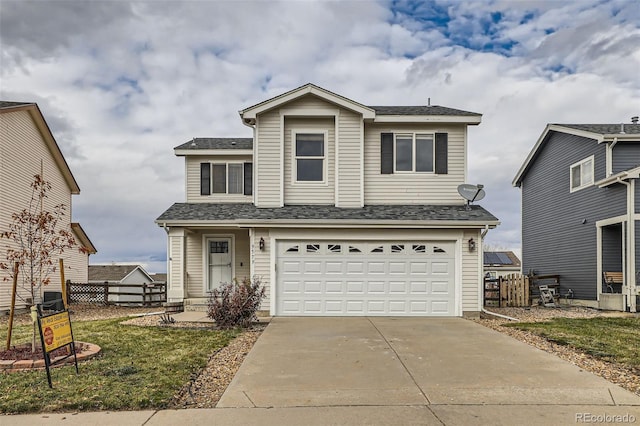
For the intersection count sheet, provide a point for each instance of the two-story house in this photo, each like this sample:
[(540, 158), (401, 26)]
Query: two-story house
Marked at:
[(27, 148), (580, 207), (339, 208)]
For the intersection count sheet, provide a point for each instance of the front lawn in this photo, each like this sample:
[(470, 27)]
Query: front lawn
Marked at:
[(139, 368), (613, 339)]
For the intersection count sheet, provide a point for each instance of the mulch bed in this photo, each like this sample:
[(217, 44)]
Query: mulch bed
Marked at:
[(23, 352)]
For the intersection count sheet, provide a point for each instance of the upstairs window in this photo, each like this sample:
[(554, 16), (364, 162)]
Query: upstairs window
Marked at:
[(414, 152), (309, 156), (226, 178), (581, 174)]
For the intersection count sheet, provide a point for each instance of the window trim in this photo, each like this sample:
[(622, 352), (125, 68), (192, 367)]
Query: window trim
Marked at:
[(324, 158), (581, 164), (414, 148), (226, 164)]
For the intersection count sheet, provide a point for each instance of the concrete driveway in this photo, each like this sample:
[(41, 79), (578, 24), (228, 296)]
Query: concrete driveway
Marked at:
[(417, 370)]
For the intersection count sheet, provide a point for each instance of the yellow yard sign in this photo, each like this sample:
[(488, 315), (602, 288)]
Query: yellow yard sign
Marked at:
[(56, 331)]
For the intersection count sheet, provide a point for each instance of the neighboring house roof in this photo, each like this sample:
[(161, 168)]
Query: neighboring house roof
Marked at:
[(115, 273), (501, 259), (598, 132), (45, 131), (159, 278), (84, 239), (217, 143), (245, 213)]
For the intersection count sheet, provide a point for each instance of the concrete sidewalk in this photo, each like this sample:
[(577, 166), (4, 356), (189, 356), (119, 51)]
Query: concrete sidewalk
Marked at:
[(391, 371)]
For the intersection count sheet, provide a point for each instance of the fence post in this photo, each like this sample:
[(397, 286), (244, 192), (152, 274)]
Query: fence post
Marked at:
[(144, 294), (105, 287)]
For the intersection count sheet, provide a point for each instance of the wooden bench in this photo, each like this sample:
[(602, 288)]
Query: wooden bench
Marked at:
[(611, 278)]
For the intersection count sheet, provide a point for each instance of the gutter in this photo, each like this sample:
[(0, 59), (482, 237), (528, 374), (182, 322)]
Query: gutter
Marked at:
[(630, 240)]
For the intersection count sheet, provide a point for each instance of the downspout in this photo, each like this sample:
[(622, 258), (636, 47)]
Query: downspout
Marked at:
[(630, 261)]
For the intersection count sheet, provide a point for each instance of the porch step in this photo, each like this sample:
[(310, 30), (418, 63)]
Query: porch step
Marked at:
[(196, 305)]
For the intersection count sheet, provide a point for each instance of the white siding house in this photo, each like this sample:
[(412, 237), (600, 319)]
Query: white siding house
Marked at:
[(340, 209), (27, 148)]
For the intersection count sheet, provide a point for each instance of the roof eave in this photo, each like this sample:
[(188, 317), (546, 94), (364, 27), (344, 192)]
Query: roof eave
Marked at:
[(517, 180), (209, 152), (331, 223), (463, 119), (250, 113), (618, 177)]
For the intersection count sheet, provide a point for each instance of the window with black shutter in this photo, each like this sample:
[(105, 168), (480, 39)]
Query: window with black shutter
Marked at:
[(205, 179), (248, 178)]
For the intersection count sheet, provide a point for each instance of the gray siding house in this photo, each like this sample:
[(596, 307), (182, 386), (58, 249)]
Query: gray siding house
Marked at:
[(580, 207)]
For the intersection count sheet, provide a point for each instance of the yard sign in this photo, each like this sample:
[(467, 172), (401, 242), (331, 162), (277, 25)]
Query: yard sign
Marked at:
[(55, 332)]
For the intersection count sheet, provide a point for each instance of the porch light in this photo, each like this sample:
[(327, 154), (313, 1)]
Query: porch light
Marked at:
[(472, 244), (261, 244)]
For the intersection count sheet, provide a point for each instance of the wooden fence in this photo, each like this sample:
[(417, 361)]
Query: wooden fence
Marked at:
[(112, 293), (510, 290)]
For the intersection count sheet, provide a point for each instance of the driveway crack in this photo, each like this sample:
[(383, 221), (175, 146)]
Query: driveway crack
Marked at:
[(401, 362)]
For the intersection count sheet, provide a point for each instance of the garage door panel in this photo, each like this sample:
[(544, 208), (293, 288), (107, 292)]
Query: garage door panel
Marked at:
[(312, 267), (334, 267), (334, 287), (313, 286), (376, 268), (356, 279), (397, 267), (376, 287), (355, 267), (355, 287)]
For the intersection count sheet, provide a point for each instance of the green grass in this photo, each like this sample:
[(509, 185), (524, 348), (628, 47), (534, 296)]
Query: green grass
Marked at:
[(613, 339), (139, 368)]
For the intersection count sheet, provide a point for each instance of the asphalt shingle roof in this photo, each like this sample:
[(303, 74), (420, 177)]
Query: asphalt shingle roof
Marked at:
[(217, 143), (605, 129), (109, 272), (238, 212), (8, 104), (420, 110)]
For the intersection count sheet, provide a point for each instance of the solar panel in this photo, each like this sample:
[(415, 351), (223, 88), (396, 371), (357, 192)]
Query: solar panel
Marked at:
[(504, 259), (493, 258)]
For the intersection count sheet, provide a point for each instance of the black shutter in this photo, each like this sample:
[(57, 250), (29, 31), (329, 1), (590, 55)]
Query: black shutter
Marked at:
[(442, 153), (205, 179), (248, 178), (386, 153)]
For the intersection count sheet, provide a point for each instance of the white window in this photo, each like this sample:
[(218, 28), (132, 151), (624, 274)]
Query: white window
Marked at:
[(581, 175), (309, 152), (414, 152), (228, 178)]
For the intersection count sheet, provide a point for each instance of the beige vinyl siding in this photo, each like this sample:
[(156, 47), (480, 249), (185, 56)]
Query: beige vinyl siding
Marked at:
[(261, 263), (349, 159), (414, 188), (196, 251), (22, 148), (267, 162), (309, 192), (175, 274), (193, 179), (470, 272)]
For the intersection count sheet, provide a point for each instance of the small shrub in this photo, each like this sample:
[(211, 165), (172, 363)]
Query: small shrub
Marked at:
[(235, 304)]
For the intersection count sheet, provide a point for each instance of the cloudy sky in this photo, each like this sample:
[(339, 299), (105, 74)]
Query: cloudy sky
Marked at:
[(122, 83)]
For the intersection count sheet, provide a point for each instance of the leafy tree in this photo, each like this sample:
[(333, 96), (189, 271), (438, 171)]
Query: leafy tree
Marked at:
[(37, 240)]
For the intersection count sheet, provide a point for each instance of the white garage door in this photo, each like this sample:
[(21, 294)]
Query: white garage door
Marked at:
[(356, 278)]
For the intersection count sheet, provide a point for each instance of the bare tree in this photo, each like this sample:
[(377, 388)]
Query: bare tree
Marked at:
[(38, 239)]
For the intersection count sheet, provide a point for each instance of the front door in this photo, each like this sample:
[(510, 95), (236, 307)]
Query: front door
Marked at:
[(220, 262)]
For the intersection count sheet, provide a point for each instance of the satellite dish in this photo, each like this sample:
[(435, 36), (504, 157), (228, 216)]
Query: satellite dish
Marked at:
[(471, 193)]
